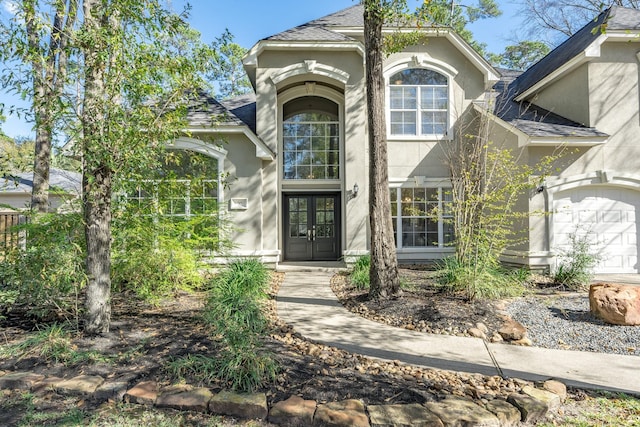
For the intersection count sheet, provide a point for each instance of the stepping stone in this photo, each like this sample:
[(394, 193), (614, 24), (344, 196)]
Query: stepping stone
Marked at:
[(459, 411), (47, 384), (82, 384), (413, 415), (144, 393), (507, 414), (114, 389), (347, 413), (294, 412), (531, 409), (244, 405), (185, 400), (20, 380)]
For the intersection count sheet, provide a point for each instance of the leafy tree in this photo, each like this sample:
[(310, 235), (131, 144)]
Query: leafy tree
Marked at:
[(15, 155), (522, 55), (555, 20), (38, 41), (457, 15), (139, 65), (227, 69), (134, 65)]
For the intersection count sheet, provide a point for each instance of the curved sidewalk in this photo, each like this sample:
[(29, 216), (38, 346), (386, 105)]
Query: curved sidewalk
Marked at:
[(306, 302)]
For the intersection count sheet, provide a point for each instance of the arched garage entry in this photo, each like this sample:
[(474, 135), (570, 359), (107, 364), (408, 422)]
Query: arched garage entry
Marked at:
[(608, 215)]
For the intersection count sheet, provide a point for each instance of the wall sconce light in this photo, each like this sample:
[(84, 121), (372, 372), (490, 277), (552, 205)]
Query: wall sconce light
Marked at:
[(539, 189), (354, 192)]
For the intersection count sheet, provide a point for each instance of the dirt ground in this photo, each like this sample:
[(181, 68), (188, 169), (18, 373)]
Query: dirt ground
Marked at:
[(145, 338)]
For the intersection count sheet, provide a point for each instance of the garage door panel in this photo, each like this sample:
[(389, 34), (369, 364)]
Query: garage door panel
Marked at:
[(609, 217)]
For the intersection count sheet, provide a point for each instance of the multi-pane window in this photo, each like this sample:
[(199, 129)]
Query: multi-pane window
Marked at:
[(418, 102), (311, 147), (422, 217), (185, 185)]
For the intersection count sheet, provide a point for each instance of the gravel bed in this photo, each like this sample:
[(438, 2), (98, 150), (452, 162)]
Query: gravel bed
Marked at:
[(564, 322)]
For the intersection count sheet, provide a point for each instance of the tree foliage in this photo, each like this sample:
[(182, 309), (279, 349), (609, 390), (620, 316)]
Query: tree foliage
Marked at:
[(522, 55), (458, 15), (555, 20), (227, 69)]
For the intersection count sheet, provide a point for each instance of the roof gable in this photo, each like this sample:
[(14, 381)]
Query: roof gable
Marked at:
[(613, 22)]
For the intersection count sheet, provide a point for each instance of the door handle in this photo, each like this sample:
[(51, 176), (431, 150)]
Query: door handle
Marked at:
[(310, 235), (313, 233)]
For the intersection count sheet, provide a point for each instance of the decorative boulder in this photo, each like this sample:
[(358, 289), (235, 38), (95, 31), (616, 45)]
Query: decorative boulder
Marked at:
[(615, 304)]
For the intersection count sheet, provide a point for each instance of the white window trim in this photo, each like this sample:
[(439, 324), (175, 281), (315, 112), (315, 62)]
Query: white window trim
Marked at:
[(442, 185), (424, 62), (209, 150)]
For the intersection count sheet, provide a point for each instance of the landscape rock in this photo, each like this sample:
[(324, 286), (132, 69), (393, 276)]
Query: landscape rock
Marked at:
[(244, 405), (512, 330), (615, 304), (507, 414), (482, 327), (144, 393), (347, 413), (524, 342), (550, 399), (556, 387), (413, 415), (459, 411), (47, 384), (20, 380), (496, 337), (185, 400), (294, 412), (82, 384), (477, 333), (531, 410)]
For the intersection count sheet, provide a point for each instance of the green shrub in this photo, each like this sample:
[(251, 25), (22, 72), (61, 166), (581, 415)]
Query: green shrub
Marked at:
[(235, 310), (47, 275), (575, 268), (360, 274), (481, 281), (153, 257)]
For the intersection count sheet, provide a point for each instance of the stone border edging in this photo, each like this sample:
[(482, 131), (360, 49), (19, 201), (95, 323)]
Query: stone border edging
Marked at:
[(529, 406)]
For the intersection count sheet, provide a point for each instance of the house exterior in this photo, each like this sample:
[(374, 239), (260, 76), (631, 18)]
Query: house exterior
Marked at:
[(64, 187), (294, 155)]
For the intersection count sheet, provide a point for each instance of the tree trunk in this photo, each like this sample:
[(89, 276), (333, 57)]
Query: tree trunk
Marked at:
[(97, 174), (383, 274)]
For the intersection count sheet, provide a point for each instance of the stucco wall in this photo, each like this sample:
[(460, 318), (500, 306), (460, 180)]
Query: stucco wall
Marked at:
[(568, 97)]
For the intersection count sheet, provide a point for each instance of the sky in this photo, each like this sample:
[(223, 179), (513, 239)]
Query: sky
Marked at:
[(252, 20)]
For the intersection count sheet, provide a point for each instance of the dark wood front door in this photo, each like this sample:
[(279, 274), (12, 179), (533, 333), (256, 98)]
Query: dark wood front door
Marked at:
[(312, 227)]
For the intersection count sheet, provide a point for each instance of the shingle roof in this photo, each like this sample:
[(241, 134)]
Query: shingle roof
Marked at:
[(244, 108), (68, 181), (205, 111), (318, 28), (613, 19), (536, 121)]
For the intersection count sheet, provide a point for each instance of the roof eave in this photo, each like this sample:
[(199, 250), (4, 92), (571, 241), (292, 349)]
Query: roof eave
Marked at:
[(262, 150)]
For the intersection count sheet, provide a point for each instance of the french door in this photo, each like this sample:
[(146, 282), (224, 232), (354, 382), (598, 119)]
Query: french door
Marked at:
[(312, 227)]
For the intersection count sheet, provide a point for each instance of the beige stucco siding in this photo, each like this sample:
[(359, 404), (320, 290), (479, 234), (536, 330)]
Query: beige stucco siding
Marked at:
[(568, 97), (244, 181)]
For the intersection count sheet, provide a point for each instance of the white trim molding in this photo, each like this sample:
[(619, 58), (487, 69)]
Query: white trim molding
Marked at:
[(310, 66), (262, 151)]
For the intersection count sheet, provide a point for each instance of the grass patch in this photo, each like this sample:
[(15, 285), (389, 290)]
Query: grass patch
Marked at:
[(54, 344), (359, 275), (481, 281), (602, 409)]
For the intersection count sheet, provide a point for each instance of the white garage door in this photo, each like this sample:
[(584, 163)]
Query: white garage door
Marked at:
[(607, 215)]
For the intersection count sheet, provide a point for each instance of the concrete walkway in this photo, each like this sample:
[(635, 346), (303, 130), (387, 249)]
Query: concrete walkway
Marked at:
[(306, 302)]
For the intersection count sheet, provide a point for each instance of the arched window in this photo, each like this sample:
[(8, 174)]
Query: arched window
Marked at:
[(311, 139), (418, 102), (185, 185)]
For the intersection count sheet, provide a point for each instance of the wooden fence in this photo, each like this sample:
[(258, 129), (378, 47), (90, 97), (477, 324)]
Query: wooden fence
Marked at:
[(9, 236)]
